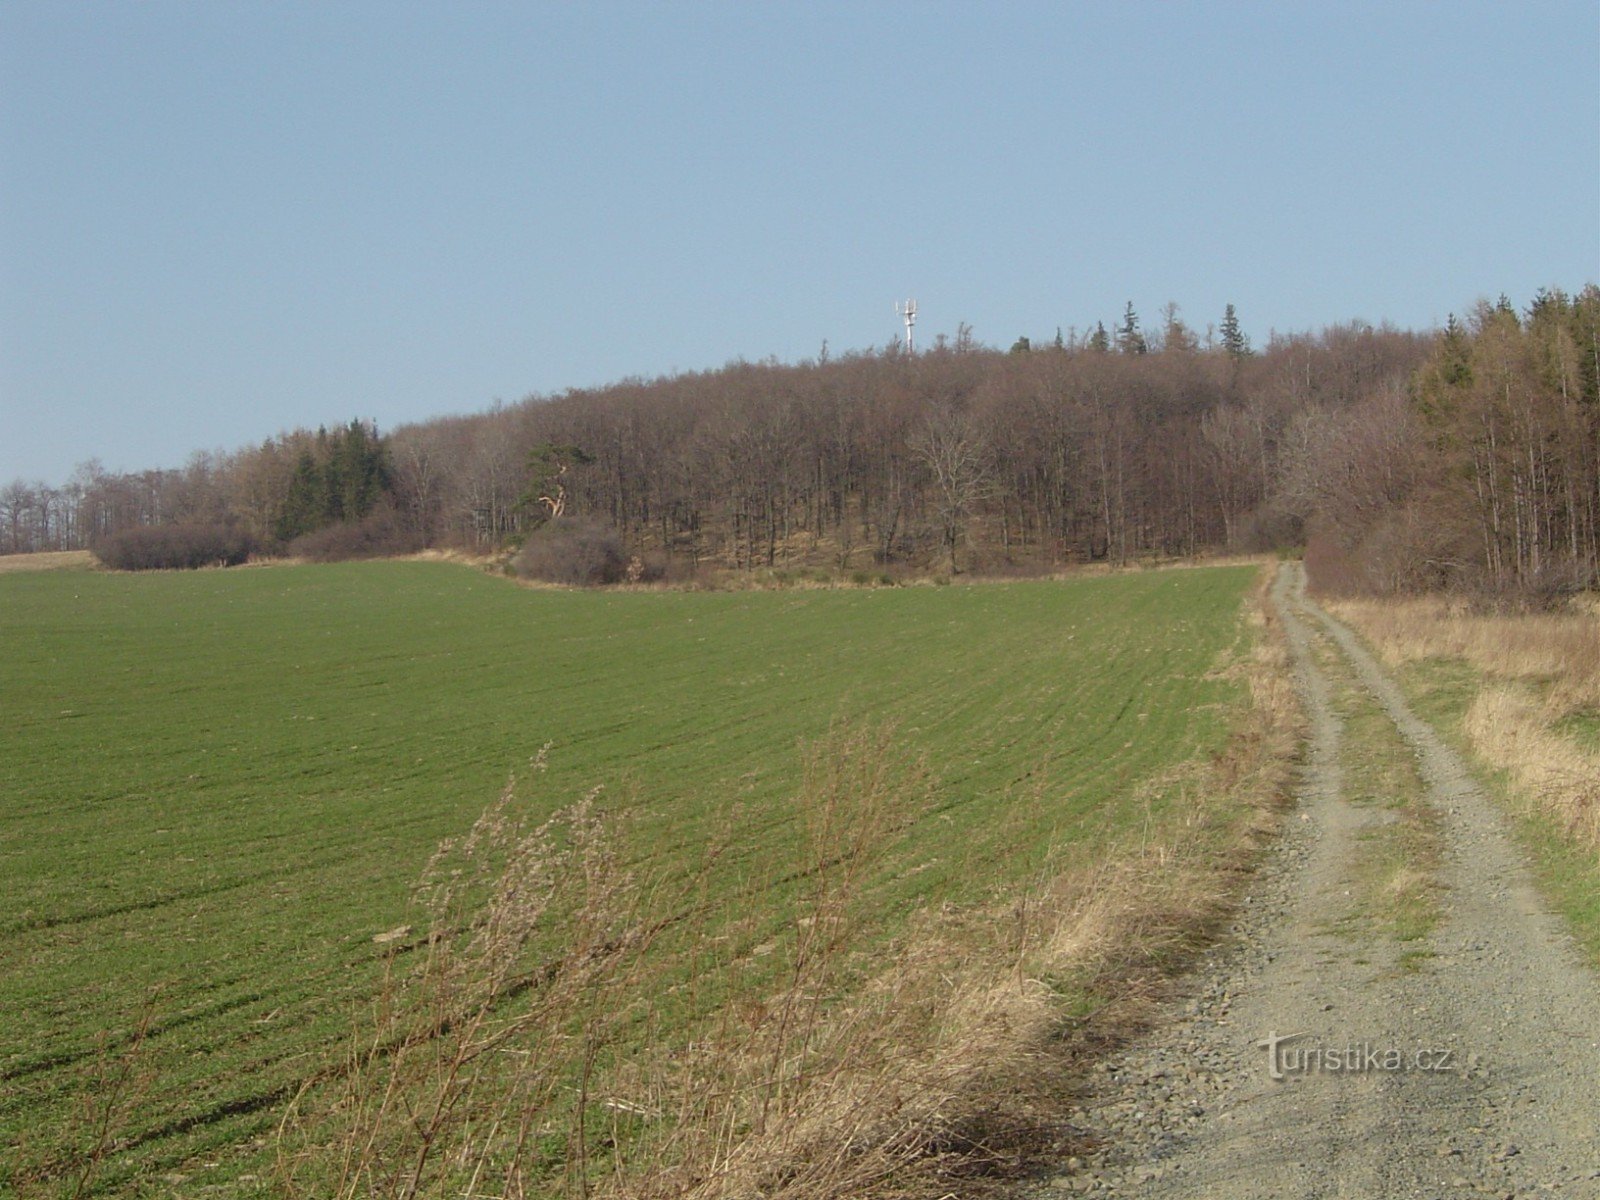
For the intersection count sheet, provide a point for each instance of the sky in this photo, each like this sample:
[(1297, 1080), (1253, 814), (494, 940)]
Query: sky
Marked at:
[(223, 220)]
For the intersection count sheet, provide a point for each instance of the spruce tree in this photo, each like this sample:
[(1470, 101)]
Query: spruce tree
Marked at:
[(1585, 326), (305, 504), (1234, 341), (1455, 355), (357, 473), (1129, 339)]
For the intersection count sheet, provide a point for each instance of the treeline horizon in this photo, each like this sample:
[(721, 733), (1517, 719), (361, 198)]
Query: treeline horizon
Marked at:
[(1467, 457)]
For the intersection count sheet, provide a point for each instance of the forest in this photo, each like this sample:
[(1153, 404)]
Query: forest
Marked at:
[(1464, 458)]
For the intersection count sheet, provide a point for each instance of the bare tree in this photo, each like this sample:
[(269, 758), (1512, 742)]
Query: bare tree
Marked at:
[(952, 449)]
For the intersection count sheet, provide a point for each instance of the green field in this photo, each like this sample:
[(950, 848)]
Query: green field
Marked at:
[(216, 787)]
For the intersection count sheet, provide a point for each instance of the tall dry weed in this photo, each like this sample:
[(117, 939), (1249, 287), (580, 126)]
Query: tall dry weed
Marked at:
[(1550, 773), (477, 1057)]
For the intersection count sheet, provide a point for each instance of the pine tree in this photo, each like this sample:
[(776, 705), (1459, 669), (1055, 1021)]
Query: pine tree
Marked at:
[(545, 497), (1234, 342), (1455, 355), (341, 477), (357, 472), (1546, 305), (1129, 339), (305, 504), (1585, 325), (1100, 340)]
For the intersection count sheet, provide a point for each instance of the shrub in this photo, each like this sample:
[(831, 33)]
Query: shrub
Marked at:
[(653, 567), (175, 547), (573, 550), (379, 535), (1329, 571)]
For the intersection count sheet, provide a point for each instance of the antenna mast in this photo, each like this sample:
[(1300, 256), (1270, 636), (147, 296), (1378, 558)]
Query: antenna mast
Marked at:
[(908, 311)]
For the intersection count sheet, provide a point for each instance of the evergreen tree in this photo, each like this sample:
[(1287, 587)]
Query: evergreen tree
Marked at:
[(1021, 346), (1129, 339), (548, 467), (305, 504), (357, 473), (1234, 342), (1100, 340), (1455, 355), (1585, 326), (341, 478), (1547, 305)]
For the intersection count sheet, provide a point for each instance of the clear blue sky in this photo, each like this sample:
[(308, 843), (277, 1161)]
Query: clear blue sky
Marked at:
[(220, 220)]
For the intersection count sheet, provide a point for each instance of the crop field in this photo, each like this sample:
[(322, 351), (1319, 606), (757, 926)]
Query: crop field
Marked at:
[(217, 788)]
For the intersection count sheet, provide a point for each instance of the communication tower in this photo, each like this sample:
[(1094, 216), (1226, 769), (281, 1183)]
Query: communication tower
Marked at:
[(908, 312)]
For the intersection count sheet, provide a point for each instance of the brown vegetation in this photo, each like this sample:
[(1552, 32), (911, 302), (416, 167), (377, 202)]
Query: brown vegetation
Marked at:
[(174, 547), (575, 551), (1467, 458), (1483, 474), (381, 534), (961, 457)]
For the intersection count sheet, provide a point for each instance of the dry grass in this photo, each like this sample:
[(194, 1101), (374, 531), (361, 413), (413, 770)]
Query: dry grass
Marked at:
[(47, 560), (1561, 650), (565, 1028), (1548, 771), (1536, 670)]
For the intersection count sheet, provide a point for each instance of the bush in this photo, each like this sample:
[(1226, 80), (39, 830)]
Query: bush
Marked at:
[(379, 535), (574, 550), (654, 567), (175, 547), (1329, 571)]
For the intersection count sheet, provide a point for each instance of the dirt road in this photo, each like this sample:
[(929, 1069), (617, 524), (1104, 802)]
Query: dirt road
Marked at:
[(1307, 1061)]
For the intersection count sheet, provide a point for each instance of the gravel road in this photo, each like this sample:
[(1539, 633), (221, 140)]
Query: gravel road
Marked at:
[(1476, 1074)]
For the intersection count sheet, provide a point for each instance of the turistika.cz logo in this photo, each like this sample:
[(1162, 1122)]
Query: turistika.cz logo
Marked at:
[(1288, 1055)]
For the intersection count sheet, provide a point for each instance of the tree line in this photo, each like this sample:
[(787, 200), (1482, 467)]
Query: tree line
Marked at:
[(1468, 456), (1484, 472)]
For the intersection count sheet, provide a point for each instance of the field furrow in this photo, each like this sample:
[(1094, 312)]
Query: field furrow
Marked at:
[(220, 786)]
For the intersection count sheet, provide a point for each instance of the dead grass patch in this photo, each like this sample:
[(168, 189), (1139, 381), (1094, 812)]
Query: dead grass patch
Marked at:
[(1549, 772), (47, 560), (1559, 650)]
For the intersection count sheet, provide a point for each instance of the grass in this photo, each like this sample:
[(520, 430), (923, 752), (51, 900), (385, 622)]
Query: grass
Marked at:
[(1396, 875), (1516, 695), (46, 560), (220, 787)]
